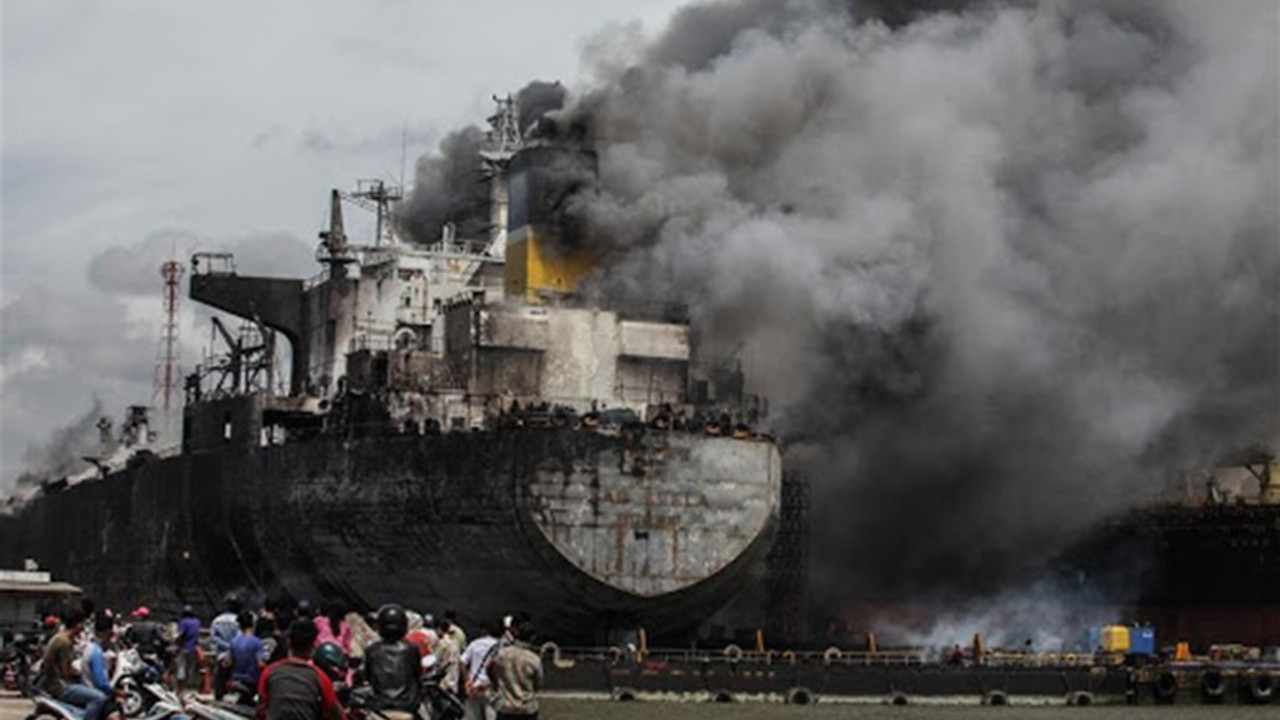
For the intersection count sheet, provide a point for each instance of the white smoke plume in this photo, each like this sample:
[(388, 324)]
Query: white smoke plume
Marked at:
[(1003, 267)]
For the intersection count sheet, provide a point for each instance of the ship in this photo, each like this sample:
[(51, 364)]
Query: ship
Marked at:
[(1201, 567), (459, 427)]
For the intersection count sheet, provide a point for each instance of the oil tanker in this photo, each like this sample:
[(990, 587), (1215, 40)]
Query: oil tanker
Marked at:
[(458, 428)]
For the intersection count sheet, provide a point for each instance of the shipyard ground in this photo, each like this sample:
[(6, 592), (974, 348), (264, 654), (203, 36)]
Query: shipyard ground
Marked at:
[(13, 707)]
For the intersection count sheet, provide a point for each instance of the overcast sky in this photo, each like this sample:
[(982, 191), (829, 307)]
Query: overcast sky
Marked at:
[(132, 129)]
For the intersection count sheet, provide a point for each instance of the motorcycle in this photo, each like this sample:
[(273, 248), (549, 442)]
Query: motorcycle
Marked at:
[(21, 661), (217, 710), (133, 673), (165, 703), (444, 704)]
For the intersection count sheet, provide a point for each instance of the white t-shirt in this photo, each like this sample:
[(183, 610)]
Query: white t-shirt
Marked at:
[(477, 656)]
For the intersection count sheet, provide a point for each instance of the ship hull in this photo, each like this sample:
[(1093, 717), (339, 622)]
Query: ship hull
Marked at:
[(575, 528), (1208, 574)]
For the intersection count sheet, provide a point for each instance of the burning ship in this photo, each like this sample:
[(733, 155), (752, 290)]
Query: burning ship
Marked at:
[(460, 429), (1201, 569)]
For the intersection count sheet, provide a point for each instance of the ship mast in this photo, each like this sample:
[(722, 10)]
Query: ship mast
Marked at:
[(334, 250), (502, 143)]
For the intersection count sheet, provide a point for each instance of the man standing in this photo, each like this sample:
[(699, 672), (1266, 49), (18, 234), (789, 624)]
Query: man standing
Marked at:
[(246, 657), (223, 630), (447, 652), (294, 688), (516, 673), (188, 649), (475, 664), (58, 679)]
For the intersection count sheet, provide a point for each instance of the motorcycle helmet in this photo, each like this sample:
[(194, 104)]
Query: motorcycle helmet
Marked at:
[(331, 660), (392, 622)]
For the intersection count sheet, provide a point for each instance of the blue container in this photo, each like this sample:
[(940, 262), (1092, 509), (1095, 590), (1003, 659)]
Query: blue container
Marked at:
[(1142, 641)]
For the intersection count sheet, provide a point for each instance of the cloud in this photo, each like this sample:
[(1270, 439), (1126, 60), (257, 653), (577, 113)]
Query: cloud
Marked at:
[(63, 346)]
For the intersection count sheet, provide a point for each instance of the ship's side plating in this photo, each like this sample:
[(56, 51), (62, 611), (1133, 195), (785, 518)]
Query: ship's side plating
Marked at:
[(574, 526)]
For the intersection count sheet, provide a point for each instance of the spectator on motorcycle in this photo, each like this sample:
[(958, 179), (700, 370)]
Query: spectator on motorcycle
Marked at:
[(88, 610), (59, 679), (247, 656), (93, 664), (333, 627), (422, 632), (222, 631), (188, 649), (393, 664), (294, 688), (474, 666), (144, 633), (516, 673)]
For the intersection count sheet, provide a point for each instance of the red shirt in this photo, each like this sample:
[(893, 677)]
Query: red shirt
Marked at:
[(295, 689)]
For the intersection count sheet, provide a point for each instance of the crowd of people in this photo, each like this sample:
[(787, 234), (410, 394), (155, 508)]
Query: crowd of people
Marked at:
[(297, 663)]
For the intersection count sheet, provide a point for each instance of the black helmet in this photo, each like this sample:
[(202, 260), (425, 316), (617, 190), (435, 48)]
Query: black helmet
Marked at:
[(392, 622), (330, 659)]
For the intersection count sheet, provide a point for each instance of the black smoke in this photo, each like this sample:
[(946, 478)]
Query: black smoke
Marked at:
[(451, 186), (1003, 268)]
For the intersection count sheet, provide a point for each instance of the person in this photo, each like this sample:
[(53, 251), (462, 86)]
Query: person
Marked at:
[(393, 664), (455, 630), (59, 680), (93, 664), (516, 675), (144, 633), (474, 668), (294, 688), (266, 630), (88, 611), (362, 635), (303, 610), (222, 631), (333, 627), (422, 632), (246, 656), (188, 649), (447, 651)]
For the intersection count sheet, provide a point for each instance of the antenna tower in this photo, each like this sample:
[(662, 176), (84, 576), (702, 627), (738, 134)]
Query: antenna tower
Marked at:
[(166, 379)]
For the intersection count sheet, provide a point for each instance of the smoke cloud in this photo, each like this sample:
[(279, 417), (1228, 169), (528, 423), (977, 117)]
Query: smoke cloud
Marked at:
[(450, 186), (1001, 268), (63, 452)]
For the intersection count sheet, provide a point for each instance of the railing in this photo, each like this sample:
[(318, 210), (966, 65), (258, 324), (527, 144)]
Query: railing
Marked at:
[(832, 656)]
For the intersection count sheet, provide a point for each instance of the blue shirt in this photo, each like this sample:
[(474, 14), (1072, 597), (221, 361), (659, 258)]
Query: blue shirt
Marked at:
[(246, 652), (188, 633), (95, 670)]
